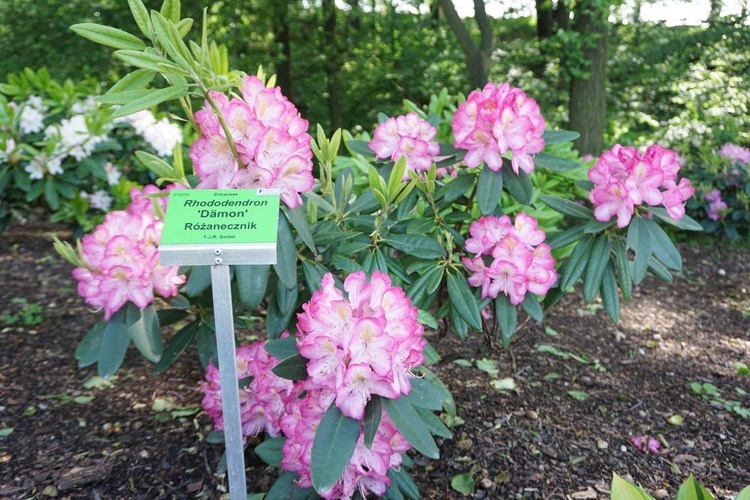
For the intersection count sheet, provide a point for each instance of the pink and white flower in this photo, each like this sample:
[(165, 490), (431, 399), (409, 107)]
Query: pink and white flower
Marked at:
[(735, 153), (624, 179), (497, 120), (407, 136), (509, 257)]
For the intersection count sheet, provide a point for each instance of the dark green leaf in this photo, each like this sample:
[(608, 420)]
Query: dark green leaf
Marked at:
[(559, 136), (423, 286), (360, 147), (597, 262), (333, 447), (416, 245), (298, 218), (115, 342), (453, 189), (595, 226), (138, 79), (573, 268), (623, 269), (285, 488), (373, 414), (639, 240), (415, 431), (282, 348), (518, 185), (567, 207), (292, 368), (567, 237), (139, 59), (205, 341), (658, 270), (50, 194), (685, 222), (87, 352), (400, 480), (252, 281), (425, 395), (270, 451), (198, 280), (286, 255), (176, 346), (463, 301), (663, 248), (555, 163), (489, 190), (506, 315), (532, 307), (155, 97), (434, 424), (609, 293), (144, 331)]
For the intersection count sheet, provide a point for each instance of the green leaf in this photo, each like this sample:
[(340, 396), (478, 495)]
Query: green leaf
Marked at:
[(597, 262), (373, 414), (463, 483), (161, 168), (105, 35), (623, 490), (407, 421), (453, 189), (252, 281), (567, 207), (744, 494), (298, 218), (50, 194), (416, 245), (663, 248), (144, 60), (292, 368), (567, 237), (144, 331), (463, 301), (639, 240), (623, 269), (176, 346), (115, 342), (314, 274), (142, 19), (506, 315), (87, 352), (692, 490), (333, 447), (449, 405), (283, 304), (282, 348), (401, 481), (555, 163), (7, 431), (170, 9), (609, 294), (489, 190), (136, 80), (425, 395), (286, 255), (532, 307), (573, 268), (270, 451), (424, 286), (657, 269), (518, 185), (433, 423), (170, 40), (285, 488), (205, 341), (559, 136), (685, 222), (578, 395), (359, 147), (395, 180), (199, 279), (154, 97)]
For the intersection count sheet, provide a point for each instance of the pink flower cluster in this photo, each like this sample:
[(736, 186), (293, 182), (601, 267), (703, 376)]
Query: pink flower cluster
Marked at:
[(363, 344), (121, 257), (368, 467), (521, 262), (624, 179), (497, 120), (735, 153), (262, 401), (271, 141), (406, 136), (716, 204)]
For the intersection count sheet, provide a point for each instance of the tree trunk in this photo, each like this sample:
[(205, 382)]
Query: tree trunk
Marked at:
[(587, 106), (280, 9), (562, 15), (332, 61), (544, 24), (478, 58)]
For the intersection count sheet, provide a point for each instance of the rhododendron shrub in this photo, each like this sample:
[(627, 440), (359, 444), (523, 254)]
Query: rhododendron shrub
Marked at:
[(384, 246)]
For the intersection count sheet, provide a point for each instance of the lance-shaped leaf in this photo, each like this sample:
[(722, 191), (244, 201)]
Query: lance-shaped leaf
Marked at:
[(639, 240), (663, 248), (114, 344), (692, 490), (567, 207), (252, 281), (141, 59), (623, 269), (411, 426), (489, 190), (151, 99), (270, 451), (142, 19), (597, 262), (567, 237), (573, 268), (555, 163), (111, 37), (532, 307), (286, 255), (373, 414), (136, 80), (685, 222), (144, 331), (463, 301), (433, 423), (285, 488), (425, 395), (401, 486), (417, 245), (87, 352), (298, 219), (292, 368), (282, 348), (333, 447), (609, 293), (518, 185), (506, 315), (559, 136), (176, 346), (623, 489), (453, 189)]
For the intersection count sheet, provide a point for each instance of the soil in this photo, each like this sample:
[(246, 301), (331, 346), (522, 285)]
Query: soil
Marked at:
[(583, 388)]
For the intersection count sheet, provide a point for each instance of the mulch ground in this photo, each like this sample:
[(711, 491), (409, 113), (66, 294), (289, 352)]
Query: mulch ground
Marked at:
[(583, 388)]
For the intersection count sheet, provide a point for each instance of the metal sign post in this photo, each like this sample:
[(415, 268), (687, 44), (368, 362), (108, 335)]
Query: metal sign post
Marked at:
[(219, 228)]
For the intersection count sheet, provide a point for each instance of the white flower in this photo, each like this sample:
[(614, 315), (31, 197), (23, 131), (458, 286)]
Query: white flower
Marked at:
[(141, 120), (100, 200), (76, 139), (83, 106), (163, 136), (113, 175), (42, 163), (35, 168), (31, 121)]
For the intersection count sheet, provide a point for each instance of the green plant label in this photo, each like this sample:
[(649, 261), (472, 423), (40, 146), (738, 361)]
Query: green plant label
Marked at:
[(211, 216)]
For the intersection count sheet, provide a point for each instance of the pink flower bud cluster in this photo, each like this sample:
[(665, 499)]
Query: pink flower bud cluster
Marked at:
[(735, 153), (262, 401), (368, 467), (624, 179), (497, 120), (121, 257), (406, 136), (716, 204), (363, 344), (271, 141), (520, 261)]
